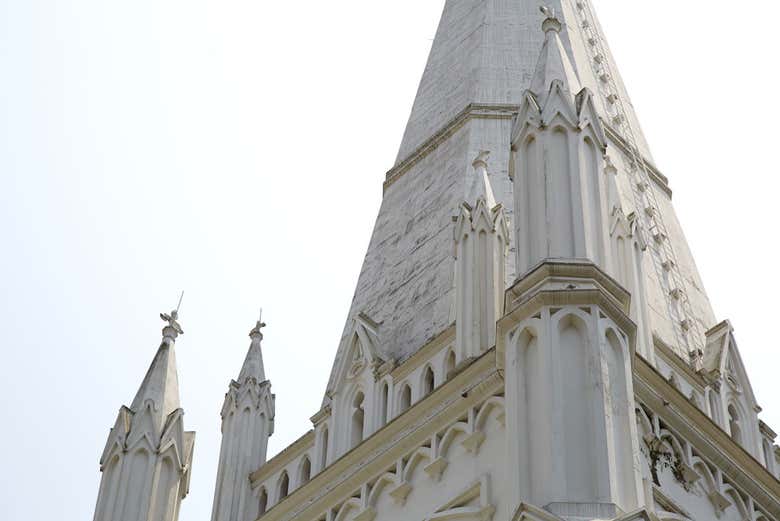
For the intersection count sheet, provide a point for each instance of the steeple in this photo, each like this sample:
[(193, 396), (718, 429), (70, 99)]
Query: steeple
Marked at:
[(495, 81), (147, 458), (247, 423)]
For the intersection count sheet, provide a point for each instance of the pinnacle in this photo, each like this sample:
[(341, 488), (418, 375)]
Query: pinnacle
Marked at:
[(253, 363)]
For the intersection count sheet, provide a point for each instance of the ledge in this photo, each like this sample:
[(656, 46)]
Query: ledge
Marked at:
[(382, 449), (707, 437)]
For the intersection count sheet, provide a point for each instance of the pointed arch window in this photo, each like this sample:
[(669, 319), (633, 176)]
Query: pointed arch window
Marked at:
[(324, 448), (429, 381), (305, 474), (358, 416), (406, 398), (768, 457), (384, 395), (734, 424), (284, 485), (449, 365), (263, 501)]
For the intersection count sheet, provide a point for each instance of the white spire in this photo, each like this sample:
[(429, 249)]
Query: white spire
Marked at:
[(247, 423), (253, 363), (553, 64), (160, 386), (132, 486)]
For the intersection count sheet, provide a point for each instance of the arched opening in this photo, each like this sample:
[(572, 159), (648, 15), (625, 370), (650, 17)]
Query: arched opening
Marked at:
[(768, 457), (734, 426), (578, 399), (406, 398), (263, 504), (357, 420), (284, 486), (429, 381), (324, 448), (449, 365), (712, 398), (305, 471), (384, 395)]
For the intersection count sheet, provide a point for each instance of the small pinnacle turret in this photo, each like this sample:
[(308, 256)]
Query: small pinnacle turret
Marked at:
[(253, 363), (247, 423), (480, 247), (147, 459), (553, 64)]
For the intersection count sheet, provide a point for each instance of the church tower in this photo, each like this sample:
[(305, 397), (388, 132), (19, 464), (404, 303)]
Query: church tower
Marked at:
[(529, 338), (147, 458), (247, 423)]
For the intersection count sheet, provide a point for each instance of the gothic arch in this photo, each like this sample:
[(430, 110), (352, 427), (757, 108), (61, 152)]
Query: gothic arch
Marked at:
[(427, 381), (383, 405), (384, 480), (737, 501), (450, 362), (283, 486), (419, 455), (346, 508), (492, 404), (404, 397), (458, 428), (304, 470), (324, 440), (671, 441), (262, 501)]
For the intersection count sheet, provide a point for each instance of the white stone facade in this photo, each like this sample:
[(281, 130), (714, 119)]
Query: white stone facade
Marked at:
[(528, 339)]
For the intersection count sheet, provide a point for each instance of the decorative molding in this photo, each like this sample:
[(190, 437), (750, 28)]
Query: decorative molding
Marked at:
[(412, 429), (471, 111), (706, 436)]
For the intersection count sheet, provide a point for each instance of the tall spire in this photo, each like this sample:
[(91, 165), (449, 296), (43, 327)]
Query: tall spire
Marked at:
[(489, 63)]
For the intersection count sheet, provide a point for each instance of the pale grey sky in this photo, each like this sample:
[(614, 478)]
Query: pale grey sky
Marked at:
[(236, 150)]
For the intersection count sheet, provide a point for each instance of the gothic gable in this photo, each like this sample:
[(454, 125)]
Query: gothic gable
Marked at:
[(363, 353), (722, 361)]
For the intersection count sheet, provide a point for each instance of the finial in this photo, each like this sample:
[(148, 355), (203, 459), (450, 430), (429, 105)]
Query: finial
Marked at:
[(173, 329), (551, 22), (256, 331)]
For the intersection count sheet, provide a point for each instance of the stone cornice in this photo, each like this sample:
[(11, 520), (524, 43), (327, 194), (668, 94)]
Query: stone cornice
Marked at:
[(471, 111), (424, 354), (766, 430), (673, 359), (500, 111), (553, 269), (321, 415), (707, 437), (660, 180), (396, 439), (533, 291), (281, 460)]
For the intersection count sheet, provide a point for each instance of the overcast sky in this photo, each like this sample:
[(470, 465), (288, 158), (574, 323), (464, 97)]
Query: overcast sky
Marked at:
[(236, 149)]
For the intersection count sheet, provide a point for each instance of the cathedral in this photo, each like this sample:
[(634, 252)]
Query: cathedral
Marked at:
[(529, 339)]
